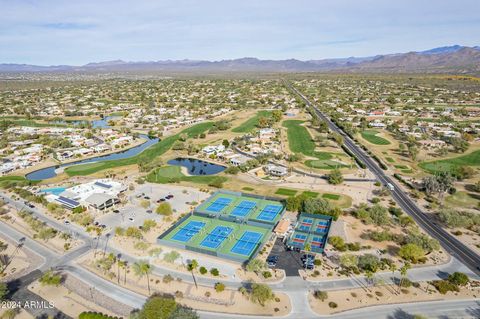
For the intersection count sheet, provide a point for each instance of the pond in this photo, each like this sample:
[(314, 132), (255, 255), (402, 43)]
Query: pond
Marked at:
[(197, 167), (101, 123)]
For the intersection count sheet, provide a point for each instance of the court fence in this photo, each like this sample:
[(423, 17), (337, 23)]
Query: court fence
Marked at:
[(238, 220)]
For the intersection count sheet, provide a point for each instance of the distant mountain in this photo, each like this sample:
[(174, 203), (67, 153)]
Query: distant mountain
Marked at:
[(447, 59), (442, 60), (446, 49)]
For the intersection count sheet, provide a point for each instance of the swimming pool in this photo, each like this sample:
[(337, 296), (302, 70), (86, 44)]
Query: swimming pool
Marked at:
[(54, 190)]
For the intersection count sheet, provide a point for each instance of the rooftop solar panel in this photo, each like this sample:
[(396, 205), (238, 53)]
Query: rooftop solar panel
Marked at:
[(68, 201), (100, 184)]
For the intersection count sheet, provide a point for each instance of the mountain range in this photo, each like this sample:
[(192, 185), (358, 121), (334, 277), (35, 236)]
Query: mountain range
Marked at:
[(447, 59)]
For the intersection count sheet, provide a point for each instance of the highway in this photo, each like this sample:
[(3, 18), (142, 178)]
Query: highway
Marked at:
[(452, 245)]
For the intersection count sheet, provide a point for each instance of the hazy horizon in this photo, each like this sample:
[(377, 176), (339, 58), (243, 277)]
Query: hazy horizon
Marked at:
[(53, 32)]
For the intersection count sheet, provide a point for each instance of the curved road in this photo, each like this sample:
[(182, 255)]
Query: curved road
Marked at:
[(294, 287), (448, 242)]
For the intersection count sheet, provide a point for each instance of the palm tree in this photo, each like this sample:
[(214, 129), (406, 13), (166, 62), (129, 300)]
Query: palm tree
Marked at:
[(393, 268), (369, 276), (125, 267), (143, 268), (403, 272), (119, 263)]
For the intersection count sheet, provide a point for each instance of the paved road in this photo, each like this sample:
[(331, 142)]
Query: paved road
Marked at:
[(434, 309), (299, 171), (295, 287), (18, 291), (448, 242)]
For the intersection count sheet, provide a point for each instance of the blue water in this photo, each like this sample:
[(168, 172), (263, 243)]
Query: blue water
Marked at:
[(54, 190), (197, 167), (49, 172), (102, 123)]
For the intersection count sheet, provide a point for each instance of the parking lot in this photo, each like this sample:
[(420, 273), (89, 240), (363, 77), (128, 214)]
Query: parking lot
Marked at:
[(133, 214), (288, 260)]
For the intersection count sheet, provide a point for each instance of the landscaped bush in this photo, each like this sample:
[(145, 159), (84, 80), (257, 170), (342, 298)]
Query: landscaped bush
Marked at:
[(164, 209), (444, 286), (214, 272), (94, 315), (458, 278), (337, 242), (332, 305), (167, 278), (320, 295), (203, 270), (219, 287)]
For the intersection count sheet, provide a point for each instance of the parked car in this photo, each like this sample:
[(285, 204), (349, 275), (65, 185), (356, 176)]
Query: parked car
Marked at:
[(309, 266), (149, 211), (116, 211), (272, 261), (66, 222), (306, 257), (146, 197)]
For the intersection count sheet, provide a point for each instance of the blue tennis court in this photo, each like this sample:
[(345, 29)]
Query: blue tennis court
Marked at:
[(188, 231), (243, 208), (317, 242), (299, 239), (219, 204), (247, 243), (305, 224), (216, 237), (269, 212), (322, 226)]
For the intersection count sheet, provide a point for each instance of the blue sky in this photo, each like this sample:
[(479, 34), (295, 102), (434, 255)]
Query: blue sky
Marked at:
[(76, 32)]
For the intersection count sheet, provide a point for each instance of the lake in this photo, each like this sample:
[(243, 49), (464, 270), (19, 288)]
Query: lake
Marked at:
[(197, 167), (49, 172)]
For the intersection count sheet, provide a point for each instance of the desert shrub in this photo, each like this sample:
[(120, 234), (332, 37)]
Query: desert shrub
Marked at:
[(444, 286), (320, 295), (219, 287)]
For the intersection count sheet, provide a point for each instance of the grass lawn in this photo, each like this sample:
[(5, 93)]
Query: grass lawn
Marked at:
[(32, 123), (401, 166), (390, 160), (450, 164), (173, 174), (371, 136), (300, 141), (324, 164), (147, 155), (310, 194), (20, 180), (248, 189), (463, 199), (251, 123), (331, 196), (286, 192)]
